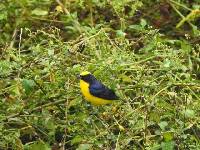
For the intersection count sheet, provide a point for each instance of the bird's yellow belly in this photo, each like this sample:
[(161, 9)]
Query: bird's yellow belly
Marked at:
[(86, 93)]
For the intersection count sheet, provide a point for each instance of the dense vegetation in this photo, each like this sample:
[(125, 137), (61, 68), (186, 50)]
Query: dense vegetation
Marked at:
[(148, 51)]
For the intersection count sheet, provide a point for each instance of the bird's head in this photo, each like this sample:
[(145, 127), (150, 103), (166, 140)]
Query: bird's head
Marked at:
[(85, 73), (87, 77)]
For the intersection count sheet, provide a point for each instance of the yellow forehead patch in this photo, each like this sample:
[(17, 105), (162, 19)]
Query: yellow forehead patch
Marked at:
[(84, 73)]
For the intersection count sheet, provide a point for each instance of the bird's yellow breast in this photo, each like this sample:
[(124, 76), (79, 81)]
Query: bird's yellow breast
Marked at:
[(93, 99)]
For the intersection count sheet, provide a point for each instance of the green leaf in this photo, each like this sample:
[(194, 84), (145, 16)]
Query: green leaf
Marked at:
[(195, 30), (166, 63), (168, 145), (196, 6), (136, 27), (28, 85), (39, 146), (76, 139), (186, 47), (49, 123), (5, 67), (190, 65), (3, 16), (50, 52), (163, 124), (143, 22), (84, 147), (149, 47), (126, 78), (189, 113), (39, 12), (154, 147), (120, 33), (154, 116), (168, 136)]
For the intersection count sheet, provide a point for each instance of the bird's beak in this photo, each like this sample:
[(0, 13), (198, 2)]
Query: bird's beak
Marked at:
[(78, 76)]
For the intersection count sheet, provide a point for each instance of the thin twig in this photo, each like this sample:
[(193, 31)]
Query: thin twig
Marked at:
[(182, 16), (13, 38), (63, 7), (76, 23), (180, 5), (20, 40), (44, 19), (197, 96), (38, 108), (46, 105), (184, 118), (154, 96), (117, 143)]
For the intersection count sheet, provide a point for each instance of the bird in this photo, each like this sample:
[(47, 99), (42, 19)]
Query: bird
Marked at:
[(94, 91)]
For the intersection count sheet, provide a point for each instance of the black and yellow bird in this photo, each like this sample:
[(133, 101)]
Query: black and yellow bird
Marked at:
[(94, 91)]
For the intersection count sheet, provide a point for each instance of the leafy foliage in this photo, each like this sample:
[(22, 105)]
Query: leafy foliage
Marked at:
[(147, 51)]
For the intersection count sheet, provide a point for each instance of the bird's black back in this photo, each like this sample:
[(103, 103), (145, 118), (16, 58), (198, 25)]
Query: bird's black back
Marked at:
[(98, 89)]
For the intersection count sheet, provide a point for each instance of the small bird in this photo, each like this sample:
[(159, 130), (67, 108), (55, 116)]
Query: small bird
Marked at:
[(94, 91)]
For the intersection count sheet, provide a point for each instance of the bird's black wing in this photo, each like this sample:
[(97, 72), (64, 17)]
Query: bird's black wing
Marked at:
[(99, 90)]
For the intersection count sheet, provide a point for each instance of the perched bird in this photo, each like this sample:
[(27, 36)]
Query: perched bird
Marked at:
[(94, 91)]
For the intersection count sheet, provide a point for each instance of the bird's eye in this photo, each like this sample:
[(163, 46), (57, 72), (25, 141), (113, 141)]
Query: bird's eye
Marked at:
[(81, 77)]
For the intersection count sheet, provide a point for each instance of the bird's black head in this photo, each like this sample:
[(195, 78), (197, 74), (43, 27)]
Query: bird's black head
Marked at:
[(87, 77)]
